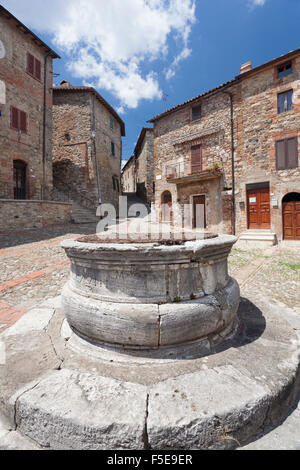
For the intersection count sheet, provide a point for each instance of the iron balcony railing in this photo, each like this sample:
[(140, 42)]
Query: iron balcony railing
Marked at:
[(180, 170)]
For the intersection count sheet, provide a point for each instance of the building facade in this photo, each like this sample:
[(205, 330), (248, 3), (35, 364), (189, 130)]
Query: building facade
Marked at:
[(128, 178), (87, 146), (25, 112), (138, 173), (228, 160)]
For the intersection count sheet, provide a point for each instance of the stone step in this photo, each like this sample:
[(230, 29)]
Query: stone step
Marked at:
[(260, 238)]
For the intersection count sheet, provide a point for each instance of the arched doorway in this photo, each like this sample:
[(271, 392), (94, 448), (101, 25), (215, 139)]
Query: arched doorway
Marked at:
[(291, 216), (166, 202), (20, 179)]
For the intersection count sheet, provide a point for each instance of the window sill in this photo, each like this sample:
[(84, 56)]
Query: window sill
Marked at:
[(35, 78)]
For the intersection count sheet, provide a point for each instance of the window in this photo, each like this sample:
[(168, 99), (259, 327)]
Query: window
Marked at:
[(196, 159), (112, 123), (287, 153), (116, 184), (113, 152), (20, 171), (284, 70), (18, 119), (34, 66), (196, 113), (285, 101)]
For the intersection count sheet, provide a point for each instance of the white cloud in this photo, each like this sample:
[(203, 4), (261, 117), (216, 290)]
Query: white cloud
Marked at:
[(255, 3), (112, 43)]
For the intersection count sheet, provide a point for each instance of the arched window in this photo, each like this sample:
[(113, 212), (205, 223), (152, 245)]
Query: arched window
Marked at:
[(20, 179), (166, 203), (291, 216)]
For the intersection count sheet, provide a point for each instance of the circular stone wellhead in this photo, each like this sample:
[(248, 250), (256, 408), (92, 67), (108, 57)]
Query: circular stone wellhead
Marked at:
[(150, 295)]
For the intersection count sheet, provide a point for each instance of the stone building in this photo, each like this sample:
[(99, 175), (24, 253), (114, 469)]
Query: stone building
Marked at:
[(138, 173), (228, 159), (128, 180), (26, 129), (25, 112), (87, 146)]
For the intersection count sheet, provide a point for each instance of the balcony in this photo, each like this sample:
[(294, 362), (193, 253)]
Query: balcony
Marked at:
[(182, 173)]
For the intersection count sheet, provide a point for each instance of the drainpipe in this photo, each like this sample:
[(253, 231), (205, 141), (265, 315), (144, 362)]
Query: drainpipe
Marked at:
[(232, 161), (95, 152), (44, 124)]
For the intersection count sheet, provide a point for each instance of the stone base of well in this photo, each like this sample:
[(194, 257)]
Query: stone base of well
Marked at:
[(151, 326), (148, 294), (212, 396)]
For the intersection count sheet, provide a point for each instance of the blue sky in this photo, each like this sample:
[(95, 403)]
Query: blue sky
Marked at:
[(135, 51)]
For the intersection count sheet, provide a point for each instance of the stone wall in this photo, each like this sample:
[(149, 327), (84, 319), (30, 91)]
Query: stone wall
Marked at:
[(21, 90), (258, 127), (78, 116), (144, 167), (17, 214), (128, 177), (174, 135), (74, 167)]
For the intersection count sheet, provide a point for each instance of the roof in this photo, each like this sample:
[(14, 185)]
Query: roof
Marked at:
[(74, 89), (141, 138), (235, 80), (26, 30), (128, 162)]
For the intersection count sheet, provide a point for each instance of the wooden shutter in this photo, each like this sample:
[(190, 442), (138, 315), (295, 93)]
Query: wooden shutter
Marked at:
[(196, 159), (292, 153), (30, 64), (23, 121), (14, 113), (38, 69), (280, 155)]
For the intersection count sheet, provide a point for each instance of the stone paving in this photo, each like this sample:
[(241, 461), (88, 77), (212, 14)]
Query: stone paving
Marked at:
[(33, 268)]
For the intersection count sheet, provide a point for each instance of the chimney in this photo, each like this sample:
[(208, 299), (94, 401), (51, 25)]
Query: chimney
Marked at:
[(65, 83), (246, 67)]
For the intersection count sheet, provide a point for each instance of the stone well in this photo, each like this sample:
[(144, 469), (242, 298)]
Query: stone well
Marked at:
[(150, 295)]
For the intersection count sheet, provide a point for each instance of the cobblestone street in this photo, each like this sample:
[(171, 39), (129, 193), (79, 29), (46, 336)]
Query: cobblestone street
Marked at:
[(34, 268)]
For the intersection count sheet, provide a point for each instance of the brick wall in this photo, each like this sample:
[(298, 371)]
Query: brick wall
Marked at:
[(32, 214), (21, 90)]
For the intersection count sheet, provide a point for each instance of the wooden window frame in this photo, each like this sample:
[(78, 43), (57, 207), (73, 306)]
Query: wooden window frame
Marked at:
[(19, 119), (286, 156), (285, 101), (199, 118), (37, 65), (284, 67)]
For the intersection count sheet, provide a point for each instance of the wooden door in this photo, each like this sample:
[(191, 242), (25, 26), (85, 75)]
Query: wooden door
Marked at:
[(259, 208), (291, 220), (199, 212)]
